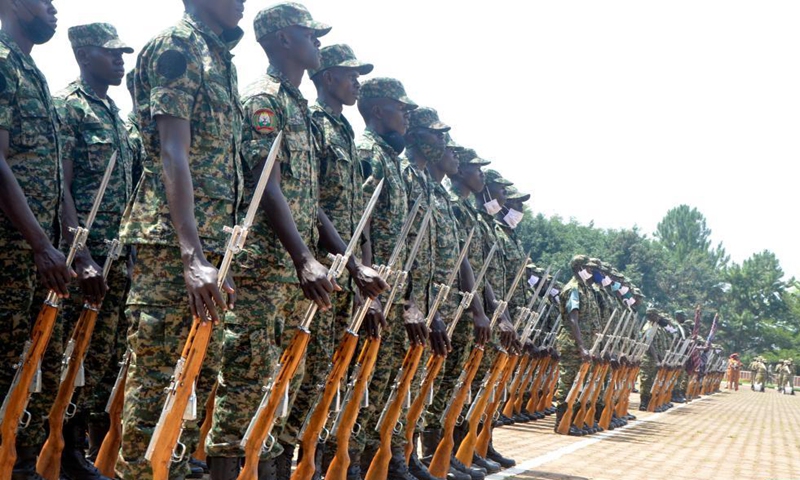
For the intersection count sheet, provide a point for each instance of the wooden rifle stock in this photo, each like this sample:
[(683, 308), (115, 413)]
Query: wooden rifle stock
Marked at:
[(379, 467), (608, 400), (510, 408), (49, 463), (319, 416), (485, 435), (655, 391), (539, 373), (205, 427), (337, 470), (262, 423), (108, 454), (440, 463), (547, 400), (590, 416), (527, 369), (566, 420), (17, 399), (166, 435), (467, 447), (432, 369)]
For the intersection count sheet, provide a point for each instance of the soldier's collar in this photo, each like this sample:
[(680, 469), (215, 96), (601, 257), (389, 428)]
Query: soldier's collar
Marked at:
[(227, 40), (89, 92), (294, 91), (372, 135), (340, 118)]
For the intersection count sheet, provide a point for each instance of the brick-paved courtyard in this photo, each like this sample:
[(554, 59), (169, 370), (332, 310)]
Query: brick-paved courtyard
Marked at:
[(730, 435)]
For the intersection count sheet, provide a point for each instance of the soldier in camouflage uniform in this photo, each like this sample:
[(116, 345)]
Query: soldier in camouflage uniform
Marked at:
[(514, 253), (278, 273), (30, 192), (188, 109), (654, 355), (759, 369), (385, 108), (580, 315), (91, 131), (679, 393), (134, 134)]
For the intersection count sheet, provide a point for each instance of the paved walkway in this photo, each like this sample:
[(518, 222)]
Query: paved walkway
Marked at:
[(731, 435)]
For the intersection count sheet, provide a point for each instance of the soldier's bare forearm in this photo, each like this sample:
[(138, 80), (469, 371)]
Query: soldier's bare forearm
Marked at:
[(275, 207), (330, 239), (175, 135)]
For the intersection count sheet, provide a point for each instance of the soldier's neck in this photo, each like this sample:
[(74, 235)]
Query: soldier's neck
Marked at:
[(15, 32), (417, 158), (459, 189), (290, 70), (325, 98), (99, 88), (436, 173)]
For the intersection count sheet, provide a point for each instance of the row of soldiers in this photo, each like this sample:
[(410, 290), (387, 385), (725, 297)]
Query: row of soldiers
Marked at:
[(783, 375), (403, 209)]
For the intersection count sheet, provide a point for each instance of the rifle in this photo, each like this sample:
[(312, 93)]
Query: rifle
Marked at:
[(639, 349), (49, 462), (109, 450), (276, 393), (205, 427), (346, 419), (440, 463), (617, 373), (549, 389), (658, 383), (544, 366), (379, 467), (181, 399), (478, 407), (566, 420), (524, 318), (29, 366)]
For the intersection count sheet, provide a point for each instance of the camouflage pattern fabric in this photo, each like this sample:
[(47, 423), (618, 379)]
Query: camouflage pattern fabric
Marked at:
[(137, 147), (650, 364), (159, 325), (340, 55), (28, 115), (514, 255), (91, 131), (421, 275), (576, 295), (286, 14), (272, 104), (169, 80), (102, 35), (383, 87)]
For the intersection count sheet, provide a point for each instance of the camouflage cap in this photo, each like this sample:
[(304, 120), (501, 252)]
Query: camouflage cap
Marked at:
[(515, 195), (340, 55), (452, 144), (102, 35), (594, 263), (468, 156), (286, 14), (426, 117), (384, 87), (578, 261), (637, 292), (493, 176)]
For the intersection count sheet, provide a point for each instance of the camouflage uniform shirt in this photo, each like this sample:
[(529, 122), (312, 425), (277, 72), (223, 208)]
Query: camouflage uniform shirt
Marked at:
[(482, 240), (514, 255), (340, 175), (187, 72), (579, 296), (272, 104), (446, 235), (392, 207), (137, 147), (91, 131), (421, 274), (28, 115)]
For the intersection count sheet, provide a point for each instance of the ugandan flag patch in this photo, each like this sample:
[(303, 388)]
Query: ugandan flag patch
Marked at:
[(264, 120)]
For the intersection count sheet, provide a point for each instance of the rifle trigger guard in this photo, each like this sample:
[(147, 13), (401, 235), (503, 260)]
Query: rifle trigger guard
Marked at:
[(268, 444), (178, 453), (483, 418), (356, 429), (71, 410), (398, 427), (460, 420), (25, 420), (324, 434)]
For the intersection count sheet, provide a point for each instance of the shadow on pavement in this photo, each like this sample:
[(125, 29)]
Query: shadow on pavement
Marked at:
[(537, 475)]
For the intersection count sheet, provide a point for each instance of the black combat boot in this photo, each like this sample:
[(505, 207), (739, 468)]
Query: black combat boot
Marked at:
[(398, 470), (496, 456), (415, 466), (224, 468), (643, 402), (486, 464), (430, 441), (354, 469), (74, 465), (25, 466), (198, 468), (98, 428), (266, 469), (283, 463), (475, 473)]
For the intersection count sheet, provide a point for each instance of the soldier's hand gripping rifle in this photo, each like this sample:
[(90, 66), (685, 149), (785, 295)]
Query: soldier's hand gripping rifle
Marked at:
[(27, 379), (274, 403), (313, 429), (524, 317), (109, 450), (478, 410), (440, 463), (346, 418), (379, 467), (577, 384), (181, 398), (49, 462)]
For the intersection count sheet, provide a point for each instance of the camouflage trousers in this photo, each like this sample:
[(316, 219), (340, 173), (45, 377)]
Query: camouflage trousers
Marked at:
[(445, 384), (101, 364), (392, 350), (160, 320), (21, 299), (648, 374), (569, 364), (683, 380), (760, 377)]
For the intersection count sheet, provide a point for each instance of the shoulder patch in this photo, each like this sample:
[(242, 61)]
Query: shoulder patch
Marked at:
[(171, 64), (264, 120)]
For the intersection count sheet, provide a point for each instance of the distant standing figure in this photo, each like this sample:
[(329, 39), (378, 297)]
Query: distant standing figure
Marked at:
[(734, 367)]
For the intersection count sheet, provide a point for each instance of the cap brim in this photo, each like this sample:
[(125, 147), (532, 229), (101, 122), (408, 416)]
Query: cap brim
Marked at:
[(410, 103), (117, 45), (361, 67), (500, 181), (521, 198), (321, 29), (440, 126)]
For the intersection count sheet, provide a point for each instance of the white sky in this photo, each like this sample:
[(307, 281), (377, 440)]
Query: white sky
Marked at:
[(655, 103)]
